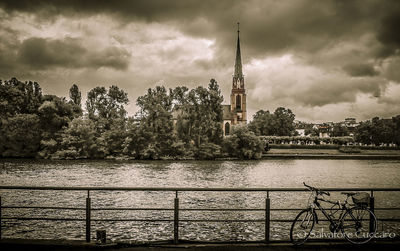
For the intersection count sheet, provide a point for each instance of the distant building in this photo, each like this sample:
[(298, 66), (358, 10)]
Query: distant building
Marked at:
[(236, 113), (324, 130), (300, 128), (350, 124)]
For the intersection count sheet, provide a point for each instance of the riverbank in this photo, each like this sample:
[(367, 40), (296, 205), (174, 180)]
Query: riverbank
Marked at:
[(331, 154)]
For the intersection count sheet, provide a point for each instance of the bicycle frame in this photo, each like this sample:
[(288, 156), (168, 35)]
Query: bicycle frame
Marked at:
[(342, 206)]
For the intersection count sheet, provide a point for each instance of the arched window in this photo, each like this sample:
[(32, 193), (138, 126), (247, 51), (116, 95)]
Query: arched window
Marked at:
[(227, 128), (238, 102)]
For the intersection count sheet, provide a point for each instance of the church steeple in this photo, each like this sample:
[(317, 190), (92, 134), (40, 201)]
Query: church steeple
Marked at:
[(238, 79), (238, 93), (238, 61)]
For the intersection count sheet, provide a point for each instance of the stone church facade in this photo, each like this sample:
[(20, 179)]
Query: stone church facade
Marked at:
[(235, 113)]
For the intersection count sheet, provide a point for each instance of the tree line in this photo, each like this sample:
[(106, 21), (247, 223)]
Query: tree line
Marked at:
[(281, 124), (173, 123)]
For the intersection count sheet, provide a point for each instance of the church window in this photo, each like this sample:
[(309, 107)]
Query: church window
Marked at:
[(227, 128), (238, 102)]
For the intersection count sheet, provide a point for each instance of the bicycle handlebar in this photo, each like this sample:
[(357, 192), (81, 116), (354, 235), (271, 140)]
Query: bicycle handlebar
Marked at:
[(318, 191)]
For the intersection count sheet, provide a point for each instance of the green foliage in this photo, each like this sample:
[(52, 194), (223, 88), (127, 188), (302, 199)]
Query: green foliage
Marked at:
[(280, 123), (396, 134), (378, 131), (350, 149), (208, 151), (78, 140), (105, 106), (156, 130), (199, 114), (339, 131), (20, 136), (17, 97), (244, 144), (75, 95), (306, 140), (55, 114), (115, 138)]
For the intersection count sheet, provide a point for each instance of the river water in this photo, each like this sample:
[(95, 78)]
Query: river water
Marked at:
[(283, 173)]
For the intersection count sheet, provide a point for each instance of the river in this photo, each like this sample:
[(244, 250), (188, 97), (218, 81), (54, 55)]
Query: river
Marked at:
[(277, 173)]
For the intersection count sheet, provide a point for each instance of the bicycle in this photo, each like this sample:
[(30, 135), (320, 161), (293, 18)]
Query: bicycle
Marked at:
[(356, 222)]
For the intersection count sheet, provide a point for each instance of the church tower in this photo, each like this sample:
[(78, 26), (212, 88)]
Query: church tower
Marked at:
[(238, 93)]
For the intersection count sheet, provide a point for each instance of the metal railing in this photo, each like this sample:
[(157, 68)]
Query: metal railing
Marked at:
[(176, 210)]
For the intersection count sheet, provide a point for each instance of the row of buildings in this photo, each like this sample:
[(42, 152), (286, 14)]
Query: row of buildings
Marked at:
[(327, 129)]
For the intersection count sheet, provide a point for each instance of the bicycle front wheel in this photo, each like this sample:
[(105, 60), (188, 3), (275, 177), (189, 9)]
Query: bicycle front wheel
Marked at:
[(359, 225), (302, 227)]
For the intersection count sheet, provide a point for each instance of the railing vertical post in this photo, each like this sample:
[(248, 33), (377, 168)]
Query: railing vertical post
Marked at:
[(372, 208), (0, 217), (267, 217), (88, 216), (176, 218)]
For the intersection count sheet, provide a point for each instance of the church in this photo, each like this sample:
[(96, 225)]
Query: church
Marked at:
[(235, 113)]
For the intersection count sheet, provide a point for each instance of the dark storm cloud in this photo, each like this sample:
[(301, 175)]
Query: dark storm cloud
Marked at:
[(40, 53), (335, 92), (268, 26), (388, 32), (360, 70)]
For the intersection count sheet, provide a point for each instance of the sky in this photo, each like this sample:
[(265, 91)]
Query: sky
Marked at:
[(325, 60)]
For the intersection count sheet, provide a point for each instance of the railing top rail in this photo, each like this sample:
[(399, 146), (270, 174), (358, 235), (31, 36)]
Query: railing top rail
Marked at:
[(186, 189)]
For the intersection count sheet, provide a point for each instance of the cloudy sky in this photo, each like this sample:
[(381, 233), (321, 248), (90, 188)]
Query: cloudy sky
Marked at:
[(325, 60)]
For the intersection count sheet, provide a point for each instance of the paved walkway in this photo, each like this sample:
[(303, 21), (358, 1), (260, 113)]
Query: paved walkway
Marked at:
[(81, 245)]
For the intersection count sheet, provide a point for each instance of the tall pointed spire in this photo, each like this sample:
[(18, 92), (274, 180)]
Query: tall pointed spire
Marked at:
[(238, 61)]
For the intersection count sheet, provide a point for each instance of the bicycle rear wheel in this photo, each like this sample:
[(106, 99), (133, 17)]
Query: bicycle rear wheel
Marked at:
[(302, 227), (359, 225)]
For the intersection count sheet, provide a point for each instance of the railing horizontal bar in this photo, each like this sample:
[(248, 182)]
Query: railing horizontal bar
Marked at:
[(131, 209), (387, 208), (170, 209), (222, 209), (146, 220), (166, 220), (182, 189), (181, 209), (44, 207), (39, 218)]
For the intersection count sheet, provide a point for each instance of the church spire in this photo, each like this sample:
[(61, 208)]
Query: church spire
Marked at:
[(238, 61)]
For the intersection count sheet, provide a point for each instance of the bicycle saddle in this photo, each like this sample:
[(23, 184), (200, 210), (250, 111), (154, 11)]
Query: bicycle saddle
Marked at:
[(349, 193)]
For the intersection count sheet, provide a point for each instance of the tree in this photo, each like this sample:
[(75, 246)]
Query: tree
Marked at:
[(244, 144), (263, 123), (339, 131), (75, 95), (396, 129), (104, 106), (55, 113), (280, 123), (199, 114), (376, 131), (284, 121), (363, 132), (20, 136), (156, 128), (78, 140), (17, 97)]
